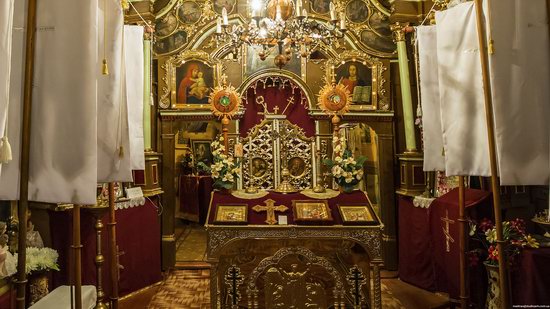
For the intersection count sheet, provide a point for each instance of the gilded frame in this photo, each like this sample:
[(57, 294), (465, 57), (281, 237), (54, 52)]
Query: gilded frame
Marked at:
[(298, 207), (241, 209), (168, 94), (344, 210), (379, 101)]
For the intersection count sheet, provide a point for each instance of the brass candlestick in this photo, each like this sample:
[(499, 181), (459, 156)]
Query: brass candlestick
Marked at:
[(98, 211), (251, 188), (319, 188), (285, 186)]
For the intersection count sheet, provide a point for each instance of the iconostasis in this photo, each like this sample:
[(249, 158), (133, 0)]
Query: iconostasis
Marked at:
[(191, 60)]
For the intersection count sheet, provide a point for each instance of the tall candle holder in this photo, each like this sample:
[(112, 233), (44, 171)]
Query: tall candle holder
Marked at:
[(251, 188), (285, 186), (319, 188)]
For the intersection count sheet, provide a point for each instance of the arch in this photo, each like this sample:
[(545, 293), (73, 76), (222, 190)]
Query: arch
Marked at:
[(279, 73)]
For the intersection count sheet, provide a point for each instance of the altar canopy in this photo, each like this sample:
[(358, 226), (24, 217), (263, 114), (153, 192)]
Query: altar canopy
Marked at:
[(520, 73), (71, 147)]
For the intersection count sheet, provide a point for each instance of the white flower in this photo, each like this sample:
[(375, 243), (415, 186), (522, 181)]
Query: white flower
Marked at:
[(349, 179), (338, 159), (337, 171)]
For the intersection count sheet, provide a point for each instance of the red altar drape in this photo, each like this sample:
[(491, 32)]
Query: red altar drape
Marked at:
[(354, 198), (194, 194), (138, 239), (276, 95)]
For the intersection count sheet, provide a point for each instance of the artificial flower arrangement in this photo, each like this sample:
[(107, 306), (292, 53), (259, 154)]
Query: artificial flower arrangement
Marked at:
[(512, 231), (347, 171), (224, 170), (37, 260)]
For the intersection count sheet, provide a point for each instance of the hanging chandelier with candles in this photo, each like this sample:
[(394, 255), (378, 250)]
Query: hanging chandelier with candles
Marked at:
[(283, 24)]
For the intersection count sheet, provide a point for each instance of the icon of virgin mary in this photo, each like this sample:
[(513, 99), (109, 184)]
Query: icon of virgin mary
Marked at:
[(193, 88)]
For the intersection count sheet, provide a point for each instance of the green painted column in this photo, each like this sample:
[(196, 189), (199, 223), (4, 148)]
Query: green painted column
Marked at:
[(147, 95), (408, 116)]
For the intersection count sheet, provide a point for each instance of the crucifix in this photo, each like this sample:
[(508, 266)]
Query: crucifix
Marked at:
[(446, 231), (270, 208), (233, 279), (356, 279)]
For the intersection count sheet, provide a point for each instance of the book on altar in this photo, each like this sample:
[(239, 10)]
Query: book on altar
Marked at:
[(361, 94)]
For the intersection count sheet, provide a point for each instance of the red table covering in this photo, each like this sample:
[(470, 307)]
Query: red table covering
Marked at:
[(138, 239), (531, 278), (423, 257), (356, 197), (194, 196)]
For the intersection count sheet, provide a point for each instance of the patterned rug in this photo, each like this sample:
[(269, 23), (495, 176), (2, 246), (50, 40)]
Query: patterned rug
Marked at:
[(183, 289)]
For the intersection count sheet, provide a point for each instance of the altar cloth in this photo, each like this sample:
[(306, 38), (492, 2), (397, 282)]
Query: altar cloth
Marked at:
[(354, 198)]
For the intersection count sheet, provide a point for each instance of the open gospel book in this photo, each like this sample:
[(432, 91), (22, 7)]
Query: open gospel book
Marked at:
[(361, 94)]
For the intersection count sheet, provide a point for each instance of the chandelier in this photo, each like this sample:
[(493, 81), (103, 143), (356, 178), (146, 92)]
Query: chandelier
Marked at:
[(282, 25)]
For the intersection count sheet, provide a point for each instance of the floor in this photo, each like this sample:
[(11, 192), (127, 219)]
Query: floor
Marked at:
[(190, 243)]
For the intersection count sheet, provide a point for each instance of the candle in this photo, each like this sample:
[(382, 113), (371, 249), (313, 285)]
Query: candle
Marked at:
[(342, 21), (298, 7), (219, 26), (278, 14), (224, 16), (332, 11), (304, 13)]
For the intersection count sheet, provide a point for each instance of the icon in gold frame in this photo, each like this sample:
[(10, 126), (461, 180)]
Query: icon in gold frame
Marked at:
[(231, 214), (311, 210), (357, 214)]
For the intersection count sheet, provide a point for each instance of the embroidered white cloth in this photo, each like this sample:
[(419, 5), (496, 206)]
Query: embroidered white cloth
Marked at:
[(134, 63), (520, 79), (423, 202), (434, 159), (6, 25), (112, 126), (461, 92), (130, 203)]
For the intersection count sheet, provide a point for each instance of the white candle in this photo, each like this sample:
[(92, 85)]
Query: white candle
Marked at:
[(219, 26), (342, 21), (224, 16), (304, 13), (332, 12), (278, 14), (298, 7)]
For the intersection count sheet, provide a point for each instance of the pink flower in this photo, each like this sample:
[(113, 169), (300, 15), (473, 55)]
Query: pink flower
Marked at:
[(485, 225)]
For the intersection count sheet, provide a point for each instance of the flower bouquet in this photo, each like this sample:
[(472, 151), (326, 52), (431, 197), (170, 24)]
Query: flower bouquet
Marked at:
[(37, 260), (347, 171), (224, 170), (513, 232)]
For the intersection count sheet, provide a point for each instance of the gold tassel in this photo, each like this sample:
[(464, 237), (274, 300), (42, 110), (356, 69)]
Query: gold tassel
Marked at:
[(105, 69), (121, 152), (125, 4), (5, 150), (491, 47)]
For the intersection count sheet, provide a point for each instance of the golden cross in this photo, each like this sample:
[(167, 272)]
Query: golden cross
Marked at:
[(270, 208), (448, 238), (276, 109)]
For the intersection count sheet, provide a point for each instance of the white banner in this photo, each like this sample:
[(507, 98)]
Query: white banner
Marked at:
[(63, 160), (461, 92), (112, 121), (9, 178), (6, 25), (133, 51), (520, 80), (434, 159)]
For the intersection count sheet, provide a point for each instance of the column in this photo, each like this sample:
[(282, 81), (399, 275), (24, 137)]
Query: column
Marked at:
[(399, 37)]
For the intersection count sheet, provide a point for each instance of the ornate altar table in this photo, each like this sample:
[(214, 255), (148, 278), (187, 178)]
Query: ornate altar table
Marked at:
[(257, 248)]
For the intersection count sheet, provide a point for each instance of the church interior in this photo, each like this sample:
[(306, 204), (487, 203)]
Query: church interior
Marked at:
[(274, 154)]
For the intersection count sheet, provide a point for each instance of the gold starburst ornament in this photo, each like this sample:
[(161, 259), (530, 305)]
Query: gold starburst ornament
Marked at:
[(334, 99), (224, 101)]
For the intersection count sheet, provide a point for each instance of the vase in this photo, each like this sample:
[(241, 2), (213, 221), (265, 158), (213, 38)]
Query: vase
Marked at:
[(347, 189), (493, 288), (225, 191), (38, 287)]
